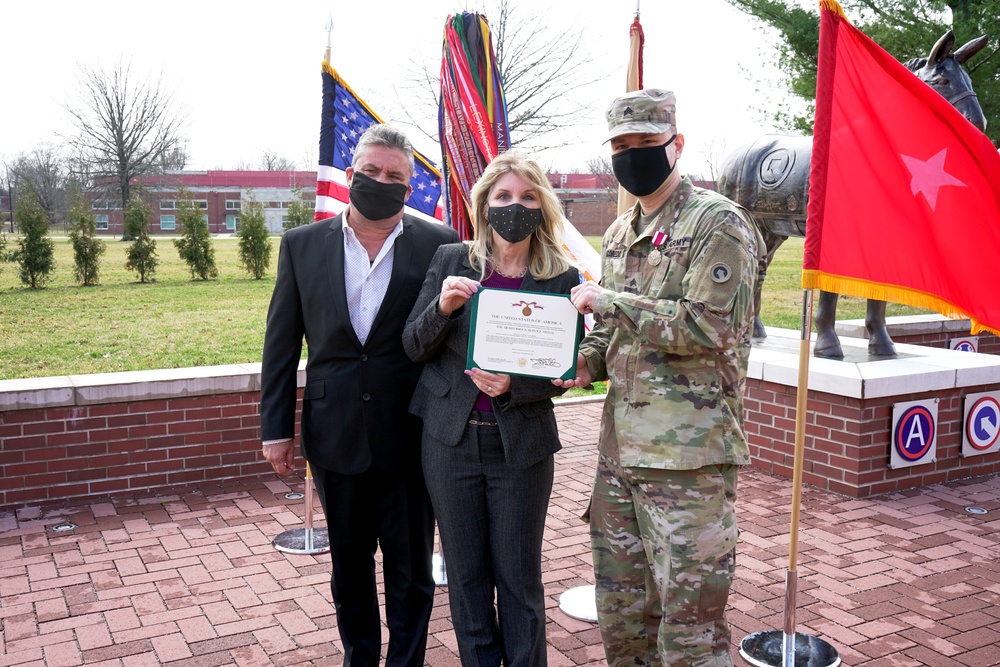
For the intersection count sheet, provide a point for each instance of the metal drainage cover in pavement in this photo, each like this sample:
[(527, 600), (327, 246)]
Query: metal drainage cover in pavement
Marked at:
[(62, 527), (294, 495), (976, 510)]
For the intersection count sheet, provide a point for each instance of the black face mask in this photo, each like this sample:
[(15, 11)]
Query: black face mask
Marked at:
[(376, 200), (642, 170), (515, 222)]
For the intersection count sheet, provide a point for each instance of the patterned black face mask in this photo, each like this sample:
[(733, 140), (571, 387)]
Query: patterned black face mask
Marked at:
[(514, 223), (642, 170)]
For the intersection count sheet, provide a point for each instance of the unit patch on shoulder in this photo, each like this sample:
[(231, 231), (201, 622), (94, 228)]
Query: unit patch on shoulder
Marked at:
[(720, 272)]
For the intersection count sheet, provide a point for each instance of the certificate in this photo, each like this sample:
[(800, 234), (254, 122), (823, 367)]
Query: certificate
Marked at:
[(534, 334)]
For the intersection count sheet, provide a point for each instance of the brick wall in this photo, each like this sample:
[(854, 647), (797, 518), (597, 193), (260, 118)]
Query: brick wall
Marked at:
[(988, 343), (67, 452), (95, 435), (591, 217), (128, 432), (847, 440)]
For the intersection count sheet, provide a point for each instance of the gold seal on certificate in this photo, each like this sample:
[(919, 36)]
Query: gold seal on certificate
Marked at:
[(534, 334)]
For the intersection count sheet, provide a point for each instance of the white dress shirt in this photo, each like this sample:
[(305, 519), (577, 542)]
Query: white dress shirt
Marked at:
[(366, 281)]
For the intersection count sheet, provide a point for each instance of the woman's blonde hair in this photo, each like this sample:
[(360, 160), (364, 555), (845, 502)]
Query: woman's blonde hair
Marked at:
[(548, 258)]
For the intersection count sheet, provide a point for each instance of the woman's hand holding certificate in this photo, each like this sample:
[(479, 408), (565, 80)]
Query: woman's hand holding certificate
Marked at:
[(534, 334)]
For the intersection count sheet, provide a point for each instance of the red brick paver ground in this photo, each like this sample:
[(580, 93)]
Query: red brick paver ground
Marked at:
[(192, 578)]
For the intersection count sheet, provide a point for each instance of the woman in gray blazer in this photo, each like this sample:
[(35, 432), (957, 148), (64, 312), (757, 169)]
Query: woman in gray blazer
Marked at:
[(489, 438)]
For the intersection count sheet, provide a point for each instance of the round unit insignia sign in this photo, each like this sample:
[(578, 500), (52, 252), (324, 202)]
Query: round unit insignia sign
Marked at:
[(914, 433), (981, 431), (966, 344)]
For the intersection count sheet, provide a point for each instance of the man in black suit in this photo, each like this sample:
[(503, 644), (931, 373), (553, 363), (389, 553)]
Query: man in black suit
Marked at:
[(347, 285)]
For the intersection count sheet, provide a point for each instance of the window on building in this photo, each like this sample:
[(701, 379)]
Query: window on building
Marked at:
[(284, 219), (272, 204), (101, 221), (168, 205), (168, 222), (200, 203), (99, 204), (233, 205), (231, 222)]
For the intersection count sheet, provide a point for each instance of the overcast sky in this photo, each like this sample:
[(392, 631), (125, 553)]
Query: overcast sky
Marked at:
[(247, 72)]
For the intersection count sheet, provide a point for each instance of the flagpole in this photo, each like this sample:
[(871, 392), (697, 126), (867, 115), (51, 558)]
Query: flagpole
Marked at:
[(762, 649), (633, 82), (304, 540), (801, 403), (329, 38)]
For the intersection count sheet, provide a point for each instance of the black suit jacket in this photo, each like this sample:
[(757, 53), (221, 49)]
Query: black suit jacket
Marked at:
[(445, 395), (354, 407)]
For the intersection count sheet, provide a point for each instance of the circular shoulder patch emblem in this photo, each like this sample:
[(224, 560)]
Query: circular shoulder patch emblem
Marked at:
[(720, 272)]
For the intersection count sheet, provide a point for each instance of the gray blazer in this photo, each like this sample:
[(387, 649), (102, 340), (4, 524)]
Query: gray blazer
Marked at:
[(445, 396)]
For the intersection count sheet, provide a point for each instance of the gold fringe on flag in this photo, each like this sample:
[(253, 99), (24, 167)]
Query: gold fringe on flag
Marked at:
[(867, 289), (832, 6)]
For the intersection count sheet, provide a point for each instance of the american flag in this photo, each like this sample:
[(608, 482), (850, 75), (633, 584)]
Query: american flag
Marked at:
[(345, 118)]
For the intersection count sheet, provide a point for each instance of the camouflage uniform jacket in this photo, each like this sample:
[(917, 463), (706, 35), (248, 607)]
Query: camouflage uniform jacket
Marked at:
[(673, 337)]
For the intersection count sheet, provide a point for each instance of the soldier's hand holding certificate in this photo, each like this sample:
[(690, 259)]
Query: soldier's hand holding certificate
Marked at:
[(534, 334)]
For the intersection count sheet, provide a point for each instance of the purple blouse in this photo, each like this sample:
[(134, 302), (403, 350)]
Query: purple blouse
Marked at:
[(498, 282)]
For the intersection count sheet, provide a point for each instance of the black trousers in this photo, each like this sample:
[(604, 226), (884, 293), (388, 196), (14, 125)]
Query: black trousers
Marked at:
[(491, 518), (390, 511)]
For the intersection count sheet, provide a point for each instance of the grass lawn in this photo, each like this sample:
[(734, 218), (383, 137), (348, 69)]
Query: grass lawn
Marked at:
[(121, 325)]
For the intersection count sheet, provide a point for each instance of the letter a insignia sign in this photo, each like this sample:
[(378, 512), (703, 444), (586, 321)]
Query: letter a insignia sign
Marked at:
[(914, 433)]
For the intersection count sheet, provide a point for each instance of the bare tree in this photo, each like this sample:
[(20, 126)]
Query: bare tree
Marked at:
[(601, 167), (175, 159), (7, 214), (126, 126), (271, 161), (543, 66), (714, 155), (45, 170)]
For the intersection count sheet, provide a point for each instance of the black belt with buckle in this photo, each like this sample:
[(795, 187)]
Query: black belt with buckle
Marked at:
[(476, 422)]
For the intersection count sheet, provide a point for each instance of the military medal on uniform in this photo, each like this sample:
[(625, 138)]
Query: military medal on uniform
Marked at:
[(655, 255), (661, 237)]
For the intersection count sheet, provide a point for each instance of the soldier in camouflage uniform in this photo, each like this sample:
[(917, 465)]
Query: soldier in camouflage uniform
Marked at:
[(674, 314)]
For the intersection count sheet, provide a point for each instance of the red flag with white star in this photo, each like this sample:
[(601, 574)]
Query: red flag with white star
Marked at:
[(904, 192)]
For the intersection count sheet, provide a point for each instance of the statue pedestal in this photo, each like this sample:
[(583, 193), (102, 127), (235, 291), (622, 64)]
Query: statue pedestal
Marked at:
[(849, 420), (928, 330)]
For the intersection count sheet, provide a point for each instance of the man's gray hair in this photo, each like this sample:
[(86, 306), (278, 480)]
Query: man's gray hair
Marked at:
[(383, 134)]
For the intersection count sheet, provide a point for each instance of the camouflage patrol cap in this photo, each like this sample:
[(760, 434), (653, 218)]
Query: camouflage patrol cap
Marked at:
[(649, 111)]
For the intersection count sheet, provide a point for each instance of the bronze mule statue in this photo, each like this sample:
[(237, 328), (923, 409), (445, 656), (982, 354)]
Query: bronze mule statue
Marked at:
[(770, 177)]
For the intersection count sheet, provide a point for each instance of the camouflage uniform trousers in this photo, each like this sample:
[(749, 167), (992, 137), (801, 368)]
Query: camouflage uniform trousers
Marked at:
[(664, 548)]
